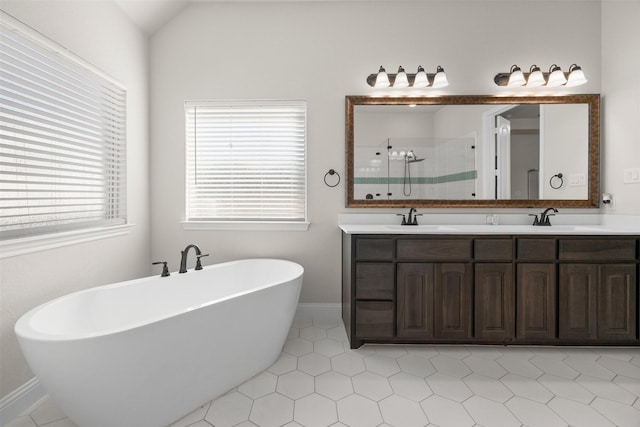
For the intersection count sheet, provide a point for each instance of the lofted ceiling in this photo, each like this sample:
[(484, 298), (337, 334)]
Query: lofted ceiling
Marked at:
[(151, 15)]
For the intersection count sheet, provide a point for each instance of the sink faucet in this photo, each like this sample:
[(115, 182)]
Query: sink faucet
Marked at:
[(413, 217), (183, 258), (544, 217)]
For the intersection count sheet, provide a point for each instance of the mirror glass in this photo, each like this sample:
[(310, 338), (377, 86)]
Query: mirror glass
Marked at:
[(472, 151)]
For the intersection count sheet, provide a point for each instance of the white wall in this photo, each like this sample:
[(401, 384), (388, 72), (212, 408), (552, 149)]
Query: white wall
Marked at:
[(102, 35), (320, 52), (620, 102)]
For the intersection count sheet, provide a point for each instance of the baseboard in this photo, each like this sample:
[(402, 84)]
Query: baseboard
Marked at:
[(319, 310), (19, 400)]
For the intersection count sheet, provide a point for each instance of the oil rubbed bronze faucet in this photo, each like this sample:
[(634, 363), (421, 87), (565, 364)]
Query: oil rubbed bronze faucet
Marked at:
[(412, 219), (544, 217), (183, 258), (165, 269)]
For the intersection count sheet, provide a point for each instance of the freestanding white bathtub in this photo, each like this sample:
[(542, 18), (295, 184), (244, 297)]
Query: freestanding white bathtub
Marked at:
[(145, 352)]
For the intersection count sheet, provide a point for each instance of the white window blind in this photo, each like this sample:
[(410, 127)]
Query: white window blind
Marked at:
[(62, 139), (245, 161)]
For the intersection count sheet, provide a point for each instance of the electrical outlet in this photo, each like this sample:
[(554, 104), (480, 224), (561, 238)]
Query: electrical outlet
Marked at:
[(631, 176), (577, 180)]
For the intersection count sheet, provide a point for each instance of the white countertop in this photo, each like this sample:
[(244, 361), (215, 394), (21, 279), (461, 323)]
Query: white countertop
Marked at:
[(586, 230)]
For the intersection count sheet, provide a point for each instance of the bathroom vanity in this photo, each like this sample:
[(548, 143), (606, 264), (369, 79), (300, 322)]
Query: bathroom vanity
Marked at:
[(490, 285)]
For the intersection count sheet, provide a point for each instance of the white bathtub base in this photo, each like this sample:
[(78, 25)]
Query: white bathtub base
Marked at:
[(154, 374)]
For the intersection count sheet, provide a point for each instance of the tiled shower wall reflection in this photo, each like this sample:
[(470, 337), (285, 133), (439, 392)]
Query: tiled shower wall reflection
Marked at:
[(447, 169)]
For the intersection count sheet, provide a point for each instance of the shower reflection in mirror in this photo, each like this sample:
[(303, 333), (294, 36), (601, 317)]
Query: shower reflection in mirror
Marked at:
[(416, 168)]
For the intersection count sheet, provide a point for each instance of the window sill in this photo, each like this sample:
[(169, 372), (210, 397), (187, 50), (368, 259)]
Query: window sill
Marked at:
[(245, 226), (27, 245)]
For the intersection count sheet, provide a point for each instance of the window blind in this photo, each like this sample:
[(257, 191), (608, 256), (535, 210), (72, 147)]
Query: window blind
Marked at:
[(245, 161), (62, 140)]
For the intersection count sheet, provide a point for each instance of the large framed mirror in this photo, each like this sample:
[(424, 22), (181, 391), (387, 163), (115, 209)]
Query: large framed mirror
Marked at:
[(473, 151)]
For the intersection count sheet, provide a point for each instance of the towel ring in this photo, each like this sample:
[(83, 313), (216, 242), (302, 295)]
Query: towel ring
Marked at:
[(331, 172), (557, 183)]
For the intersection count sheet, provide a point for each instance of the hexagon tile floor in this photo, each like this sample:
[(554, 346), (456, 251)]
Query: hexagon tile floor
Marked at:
[(319, 381)]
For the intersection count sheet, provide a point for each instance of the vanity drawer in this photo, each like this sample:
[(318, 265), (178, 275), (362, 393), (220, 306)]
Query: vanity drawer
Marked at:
[(493, 249), (536, 249), (434, 249), (597, 249), (374, 319), (374, 249), (374, 280)]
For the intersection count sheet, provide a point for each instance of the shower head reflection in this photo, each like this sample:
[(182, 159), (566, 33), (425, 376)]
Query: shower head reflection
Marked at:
[(411, 157)]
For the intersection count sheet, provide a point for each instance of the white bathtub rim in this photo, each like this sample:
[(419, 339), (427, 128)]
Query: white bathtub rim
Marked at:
[(23, 329)]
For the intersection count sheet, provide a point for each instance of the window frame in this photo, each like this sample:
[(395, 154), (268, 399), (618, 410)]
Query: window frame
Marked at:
[(244, 224), (13, 242)]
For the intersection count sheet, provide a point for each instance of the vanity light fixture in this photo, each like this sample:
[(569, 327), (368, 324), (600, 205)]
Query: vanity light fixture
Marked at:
[(421, 79), (381, 79), (556, 76), (402, 79), (440, 79), (576, 76), (516, 77), (536, 78)]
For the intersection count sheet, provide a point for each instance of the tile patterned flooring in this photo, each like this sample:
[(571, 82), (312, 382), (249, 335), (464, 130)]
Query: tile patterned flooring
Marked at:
[(319, 381)]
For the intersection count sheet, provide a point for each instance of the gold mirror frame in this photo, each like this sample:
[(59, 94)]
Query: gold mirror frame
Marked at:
[(593, 101)]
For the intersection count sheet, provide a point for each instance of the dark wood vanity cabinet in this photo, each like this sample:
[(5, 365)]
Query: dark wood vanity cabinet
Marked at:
[(434, 300), (494, 302), (536, 305), (491, 289), (494, 290), (598, 299)]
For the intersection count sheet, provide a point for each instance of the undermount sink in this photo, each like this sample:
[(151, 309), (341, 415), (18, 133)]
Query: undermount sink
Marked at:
[(572, 227), (506, 228), (547, 228), (554, 227), (418, 228)]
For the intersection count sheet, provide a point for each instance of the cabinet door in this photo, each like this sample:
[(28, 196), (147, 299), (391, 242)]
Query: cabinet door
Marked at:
[(452, 300), (494, 301), (415, 300), (577, 311), (536, 302), (617, 302)]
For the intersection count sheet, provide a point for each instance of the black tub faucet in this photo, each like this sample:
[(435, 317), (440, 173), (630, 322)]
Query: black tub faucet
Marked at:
[(165, 269), (183, 258)]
